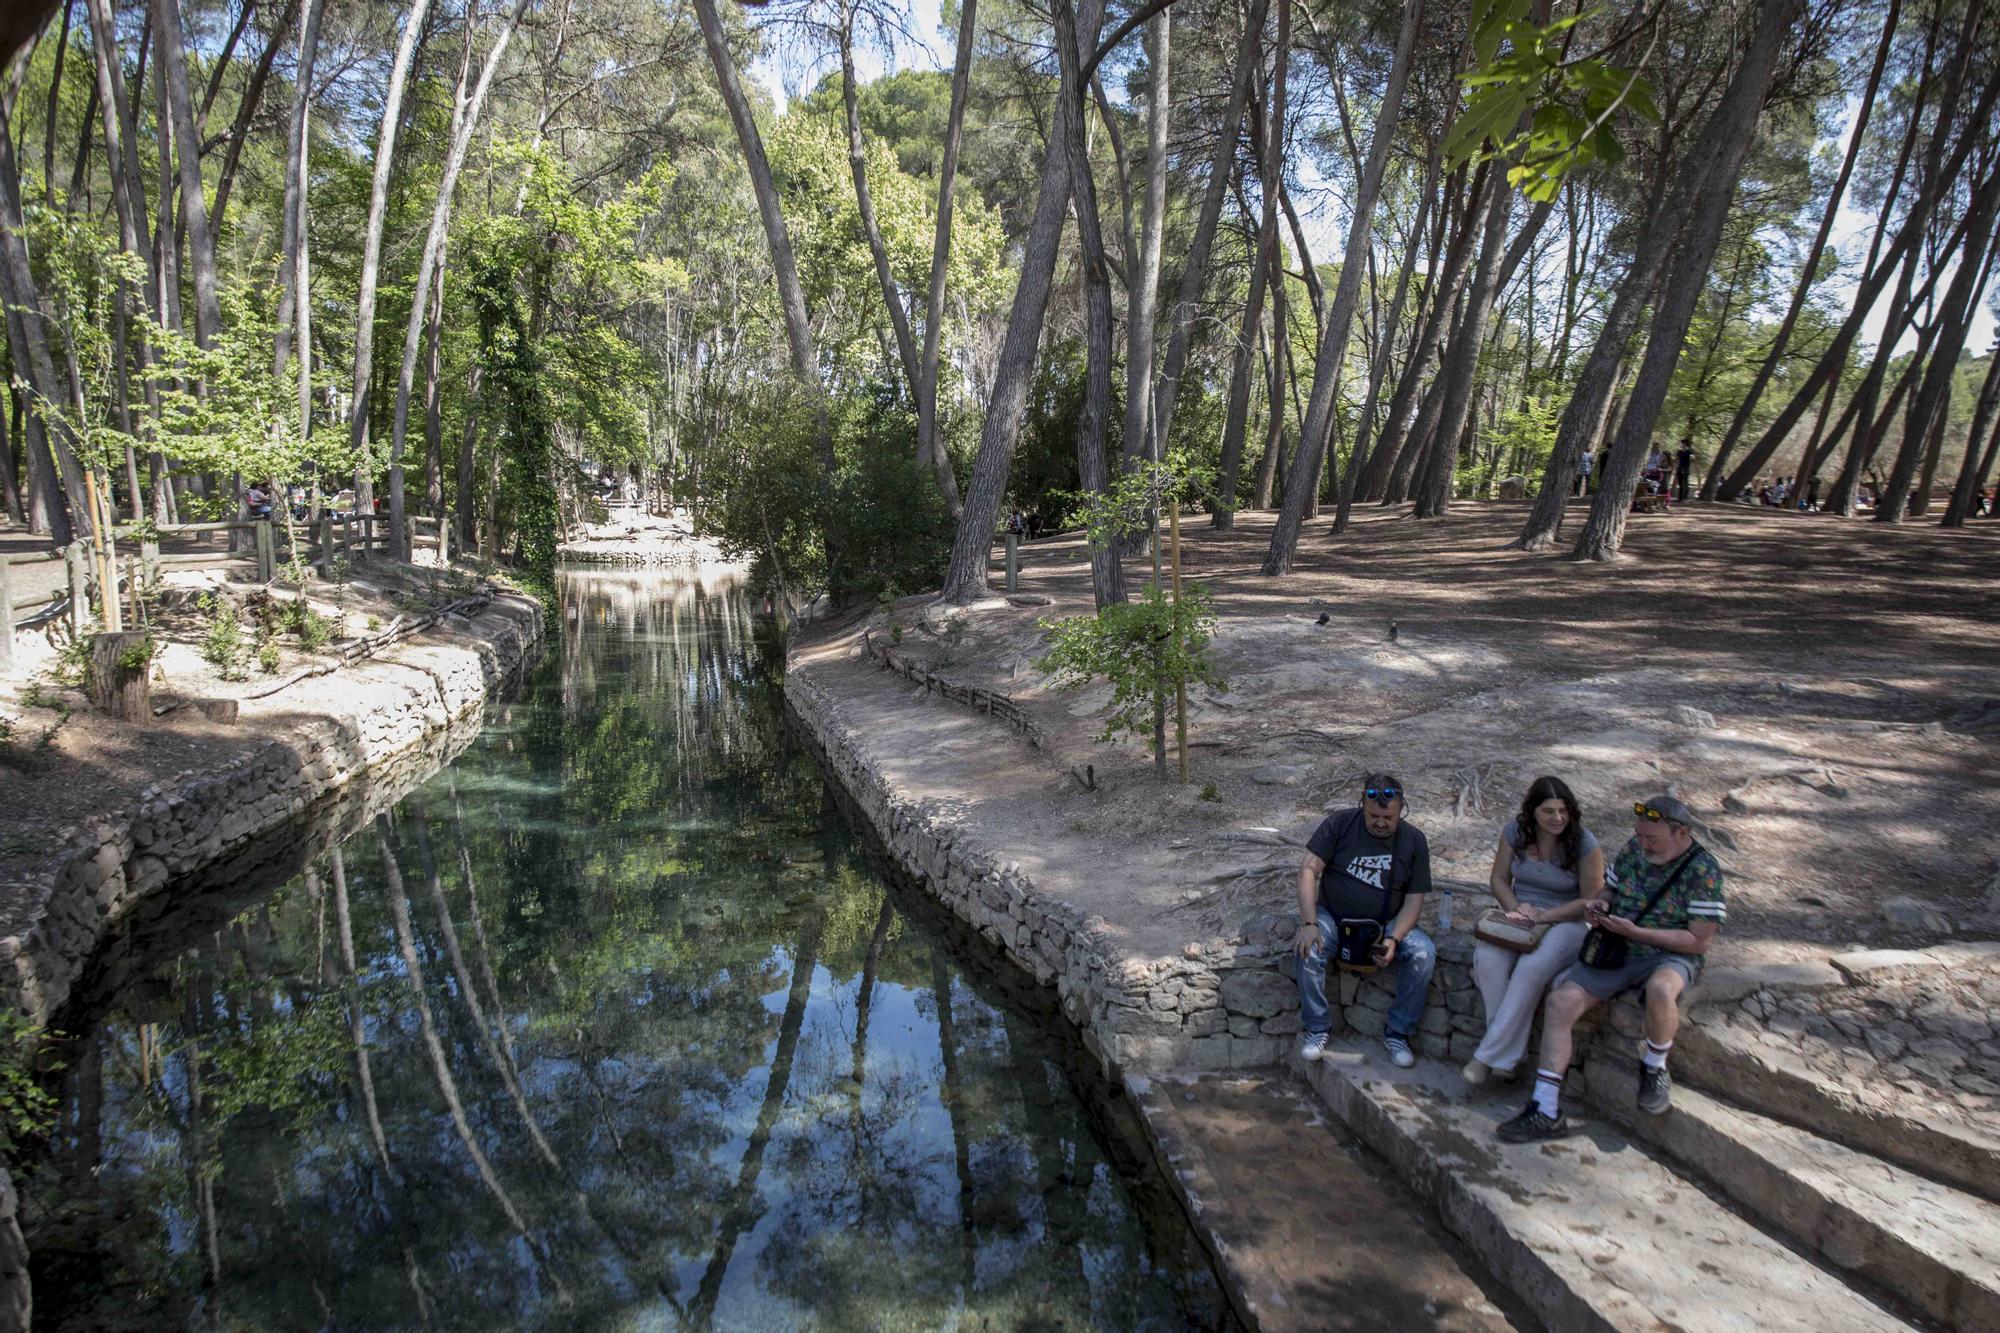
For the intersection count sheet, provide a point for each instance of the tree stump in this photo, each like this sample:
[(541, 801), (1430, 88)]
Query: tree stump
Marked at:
[(121, 672)]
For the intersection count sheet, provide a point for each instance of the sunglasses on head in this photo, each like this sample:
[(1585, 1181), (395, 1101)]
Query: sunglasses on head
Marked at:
[(1383, 795)]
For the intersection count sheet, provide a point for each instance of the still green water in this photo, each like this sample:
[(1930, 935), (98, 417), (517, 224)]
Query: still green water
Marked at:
[(612, 1024)]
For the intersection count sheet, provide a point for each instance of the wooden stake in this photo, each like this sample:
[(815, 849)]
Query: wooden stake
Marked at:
[(1180, 677)]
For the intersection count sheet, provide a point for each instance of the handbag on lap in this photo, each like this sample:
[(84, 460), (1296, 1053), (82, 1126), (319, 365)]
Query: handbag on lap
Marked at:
[(1496, 928)]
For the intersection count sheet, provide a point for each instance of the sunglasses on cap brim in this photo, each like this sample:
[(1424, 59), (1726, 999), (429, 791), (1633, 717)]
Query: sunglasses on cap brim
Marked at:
[(1644, 811)]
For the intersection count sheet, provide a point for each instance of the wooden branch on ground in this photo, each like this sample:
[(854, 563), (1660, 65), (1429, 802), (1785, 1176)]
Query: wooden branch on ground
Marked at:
[(361, 649)]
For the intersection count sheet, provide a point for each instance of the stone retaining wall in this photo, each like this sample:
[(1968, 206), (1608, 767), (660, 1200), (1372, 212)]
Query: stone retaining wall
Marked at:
[(1224, 1003), (121, 859)]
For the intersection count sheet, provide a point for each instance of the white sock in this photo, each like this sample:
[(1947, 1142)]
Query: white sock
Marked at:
[(1548, 1092), (1655, 1054)]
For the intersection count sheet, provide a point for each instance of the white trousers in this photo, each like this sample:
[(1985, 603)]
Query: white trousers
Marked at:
[(1511, 986)]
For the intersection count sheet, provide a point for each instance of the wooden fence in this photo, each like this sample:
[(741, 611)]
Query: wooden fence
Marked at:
[(28, 597)]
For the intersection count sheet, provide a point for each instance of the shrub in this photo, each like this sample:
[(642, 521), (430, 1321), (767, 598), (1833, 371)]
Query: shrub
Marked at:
[(223, 643), (1142, 648), (27, 1109), (267, 657)]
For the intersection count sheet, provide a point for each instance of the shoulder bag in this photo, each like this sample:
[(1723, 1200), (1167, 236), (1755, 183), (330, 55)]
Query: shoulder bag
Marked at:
[(1601, 949)]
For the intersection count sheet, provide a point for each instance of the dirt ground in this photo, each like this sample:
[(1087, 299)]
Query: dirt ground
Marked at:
[(62, 761), (1825, 694), (632, 538)]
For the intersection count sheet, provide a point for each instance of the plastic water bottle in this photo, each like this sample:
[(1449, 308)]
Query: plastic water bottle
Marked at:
[(1444, 911)]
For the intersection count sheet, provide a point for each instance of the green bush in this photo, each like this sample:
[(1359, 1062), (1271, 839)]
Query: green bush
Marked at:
[(879, 514), (267, 657), (223, 643), (27, 1109), (1142, 648)]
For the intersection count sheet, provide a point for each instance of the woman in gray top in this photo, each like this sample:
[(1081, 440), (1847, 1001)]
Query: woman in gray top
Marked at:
[(1546, 867)]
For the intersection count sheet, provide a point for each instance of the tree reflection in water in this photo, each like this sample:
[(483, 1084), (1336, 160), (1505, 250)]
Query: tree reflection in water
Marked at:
[(616, 1027)]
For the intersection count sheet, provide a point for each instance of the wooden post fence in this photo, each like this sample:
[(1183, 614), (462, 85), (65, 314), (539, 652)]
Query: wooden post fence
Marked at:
[(79, 586), (6, 619)]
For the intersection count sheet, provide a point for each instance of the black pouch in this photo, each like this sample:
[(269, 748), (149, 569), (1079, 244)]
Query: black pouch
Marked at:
[(1354, 941), (1603, 950)]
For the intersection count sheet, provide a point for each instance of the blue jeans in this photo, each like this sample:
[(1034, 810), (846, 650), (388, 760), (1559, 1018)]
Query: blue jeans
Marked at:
[(1416, 958)]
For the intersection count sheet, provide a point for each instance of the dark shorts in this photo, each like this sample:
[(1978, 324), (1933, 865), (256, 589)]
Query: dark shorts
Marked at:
[(1604, 982)]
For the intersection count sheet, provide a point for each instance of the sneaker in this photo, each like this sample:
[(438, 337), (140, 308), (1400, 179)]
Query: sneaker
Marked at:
[(1655, 1087), (1313, 1047), (1475, 1072), (1531, 1126), (1400, 1054)]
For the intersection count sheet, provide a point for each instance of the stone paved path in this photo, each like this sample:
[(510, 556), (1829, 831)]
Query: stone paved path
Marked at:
[(1313, 1232)]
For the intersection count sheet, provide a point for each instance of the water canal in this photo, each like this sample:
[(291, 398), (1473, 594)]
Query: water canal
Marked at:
[(614, 1023)]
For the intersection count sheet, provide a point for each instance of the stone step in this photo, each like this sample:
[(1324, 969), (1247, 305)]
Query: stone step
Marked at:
[(1936, 1247), (1307, 1229), (1778, 1083), (1590, 1230)]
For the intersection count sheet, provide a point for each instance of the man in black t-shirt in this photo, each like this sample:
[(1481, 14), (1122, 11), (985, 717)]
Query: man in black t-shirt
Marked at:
[(1366, 864), (1683, 465)]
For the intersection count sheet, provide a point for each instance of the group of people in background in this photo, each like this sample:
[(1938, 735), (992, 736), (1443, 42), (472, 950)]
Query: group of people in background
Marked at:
[(1028, 525), (1572, 929), (1665, 475)]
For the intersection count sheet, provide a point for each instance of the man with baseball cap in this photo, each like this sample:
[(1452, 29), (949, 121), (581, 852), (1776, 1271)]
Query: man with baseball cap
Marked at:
[(1660, 910)]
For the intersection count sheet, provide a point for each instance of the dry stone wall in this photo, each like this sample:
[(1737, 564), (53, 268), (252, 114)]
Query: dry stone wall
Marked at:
[(388, 722), (1224, 1003)]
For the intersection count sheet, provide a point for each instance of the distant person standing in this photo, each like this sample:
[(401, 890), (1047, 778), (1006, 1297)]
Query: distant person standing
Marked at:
[(1603, 466), (1683, 465), (1582, 486), (1812, 496)]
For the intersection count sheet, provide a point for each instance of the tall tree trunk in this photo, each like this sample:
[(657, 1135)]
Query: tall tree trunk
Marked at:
[(1107, 577), (187, 146), (1915, 223), (361, 410), (857, 161), (247, 103), (1978, 466), (1432, 490), (791, 294), (1389, 469), (930, 449), (1194, 274), (1236, 412), (295, 299), (466, 122), (1304, 480), (972, 547), (1378, 368), (1736, 118), (49, 439), (1782, 339), (1143, 294), (465, 475), (1955, 319)]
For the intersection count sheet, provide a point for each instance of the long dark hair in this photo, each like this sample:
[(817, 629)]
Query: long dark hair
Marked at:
[(1526, 830)]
